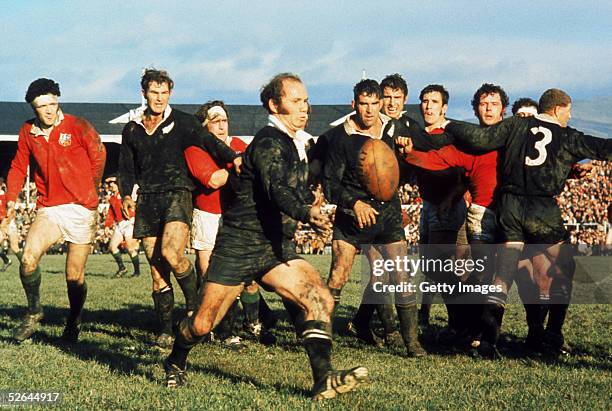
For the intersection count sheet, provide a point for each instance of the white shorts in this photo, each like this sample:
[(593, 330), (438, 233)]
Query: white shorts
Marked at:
[(126, 228), (77, 223), (204, 229), (481, 224)]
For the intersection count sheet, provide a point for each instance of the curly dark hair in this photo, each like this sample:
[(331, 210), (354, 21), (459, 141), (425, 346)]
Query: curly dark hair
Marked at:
[(486, 89), (202, 111), (40, 87), (273, 90), (523, 102), (394, 82), (433, 88), (157, 76), (368, 87)]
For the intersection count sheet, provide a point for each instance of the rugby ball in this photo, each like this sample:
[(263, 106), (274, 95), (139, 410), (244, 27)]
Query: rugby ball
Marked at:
[(378, 169)]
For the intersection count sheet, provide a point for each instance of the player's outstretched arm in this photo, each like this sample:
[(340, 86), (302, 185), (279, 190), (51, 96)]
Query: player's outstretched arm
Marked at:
[(582, 146), (479, 138)]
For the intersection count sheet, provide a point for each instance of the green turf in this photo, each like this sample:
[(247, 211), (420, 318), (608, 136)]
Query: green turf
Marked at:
[(114, 366)]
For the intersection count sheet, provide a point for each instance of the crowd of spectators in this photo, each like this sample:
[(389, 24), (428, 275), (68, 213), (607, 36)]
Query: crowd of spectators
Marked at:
[(584, 205)]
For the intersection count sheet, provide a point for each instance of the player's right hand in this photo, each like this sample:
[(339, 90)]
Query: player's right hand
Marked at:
[(238, 164), (127, 205), (405, 144), (365, 214), (319, 221)]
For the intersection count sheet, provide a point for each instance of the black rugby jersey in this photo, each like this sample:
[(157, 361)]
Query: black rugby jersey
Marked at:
[(341, 183), (271, 193), (536, 154), (157, 162)]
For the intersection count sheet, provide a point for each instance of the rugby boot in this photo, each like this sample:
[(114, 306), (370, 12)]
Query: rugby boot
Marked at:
[(362, 332), (408, 319), (6, 265), (234, 343), (488, 351), (339, 382), (260, 333), (71, 332), (175, 376), (120, 272), (556, 344), (28, 326)]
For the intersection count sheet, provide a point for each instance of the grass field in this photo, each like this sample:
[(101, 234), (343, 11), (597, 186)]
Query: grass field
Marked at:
[(114, 366)]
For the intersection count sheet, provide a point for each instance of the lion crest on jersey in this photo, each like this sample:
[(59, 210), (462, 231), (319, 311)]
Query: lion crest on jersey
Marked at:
[(65, 139)]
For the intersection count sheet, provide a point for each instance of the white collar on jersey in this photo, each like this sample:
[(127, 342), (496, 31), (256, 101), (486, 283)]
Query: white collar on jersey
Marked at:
[(349, 129), (548, 118), (37, 130), (300, 139)]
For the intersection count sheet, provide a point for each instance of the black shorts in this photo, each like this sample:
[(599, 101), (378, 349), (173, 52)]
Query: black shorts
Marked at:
[(241, 257), (532, 220), (154, 210), (388, 228)]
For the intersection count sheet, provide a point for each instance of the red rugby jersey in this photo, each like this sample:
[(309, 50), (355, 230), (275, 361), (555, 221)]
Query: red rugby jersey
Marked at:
[(68, 167), (481, 169), (202, 166)]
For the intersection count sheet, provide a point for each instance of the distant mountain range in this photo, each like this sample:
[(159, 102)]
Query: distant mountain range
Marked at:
[(593, 116)]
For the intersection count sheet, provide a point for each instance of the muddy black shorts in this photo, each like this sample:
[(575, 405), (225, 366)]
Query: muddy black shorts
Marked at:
[(388, 228), (154, 210), (532, 220), (240, 257)]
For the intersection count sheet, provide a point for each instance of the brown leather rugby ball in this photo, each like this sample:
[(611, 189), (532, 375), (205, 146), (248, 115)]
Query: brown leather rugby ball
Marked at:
[(378, 169)]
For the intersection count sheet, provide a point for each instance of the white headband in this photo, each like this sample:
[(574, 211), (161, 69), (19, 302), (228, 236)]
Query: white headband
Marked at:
[(44, 99), (528, 109), (213, 112)]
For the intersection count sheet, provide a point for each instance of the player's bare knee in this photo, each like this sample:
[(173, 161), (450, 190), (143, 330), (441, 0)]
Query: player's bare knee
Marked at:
[(29, 262), (75, 274)]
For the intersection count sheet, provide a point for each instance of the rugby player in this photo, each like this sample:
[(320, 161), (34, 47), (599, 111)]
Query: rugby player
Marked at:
[(539, 152), (360, 219), (525, 107), (210, 198), (395, 97), (255, 241), (152, 156), (68, 159), (123, 229), (442, 219)]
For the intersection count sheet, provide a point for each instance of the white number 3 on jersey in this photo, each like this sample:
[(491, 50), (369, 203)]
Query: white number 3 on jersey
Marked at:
[(540, 146)]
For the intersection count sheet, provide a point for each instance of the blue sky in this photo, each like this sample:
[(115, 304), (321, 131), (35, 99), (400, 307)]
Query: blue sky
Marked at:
[(228, 49)]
